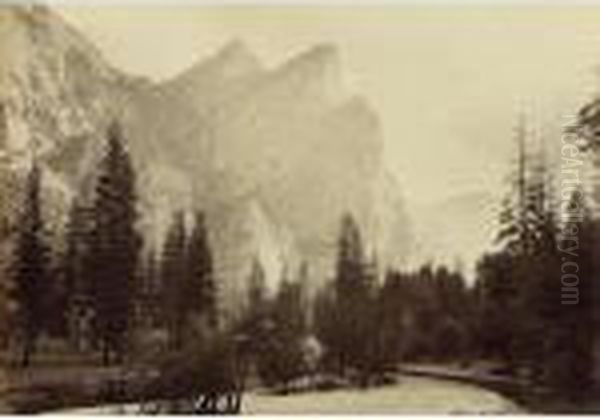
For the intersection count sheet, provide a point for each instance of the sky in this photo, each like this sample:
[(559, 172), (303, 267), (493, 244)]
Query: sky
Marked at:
[(447, 82)]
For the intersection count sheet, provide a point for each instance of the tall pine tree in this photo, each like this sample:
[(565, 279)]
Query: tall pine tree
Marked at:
[(75, 263), (202, 291), (353, 300), (31, 272), (173, 280), (569, 362), (116, 246), (255, 322), (282, 358)]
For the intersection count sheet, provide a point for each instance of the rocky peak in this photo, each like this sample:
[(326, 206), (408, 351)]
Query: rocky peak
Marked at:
[(313, 74), (232, 62), (295, 150)]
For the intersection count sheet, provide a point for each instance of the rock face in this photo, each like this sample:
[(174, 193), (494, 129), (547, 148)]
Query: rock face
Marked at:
[(273, 156)]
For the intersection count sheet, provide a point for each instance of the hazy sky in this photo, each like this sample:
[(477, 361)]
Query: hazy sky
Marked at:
[(446, 82)]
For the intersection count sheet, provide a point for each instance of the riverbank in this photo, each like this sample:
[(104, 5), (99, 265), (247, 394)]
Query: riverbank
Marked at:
[(531, 398), (419, 389), (410, 395), (44, 388)]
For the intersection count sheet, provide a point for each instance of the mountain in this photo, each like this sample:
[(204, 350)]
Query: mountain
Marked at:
[(274, 156)]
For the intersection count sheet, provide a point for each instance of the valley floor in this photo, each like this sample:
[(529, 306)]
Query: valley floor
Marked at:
[(411, 395), (419, 389)]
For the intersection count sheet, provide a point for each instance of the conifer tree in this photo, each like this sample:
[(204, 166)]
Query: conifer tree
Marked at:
[(174, 279), (282, 358), (75, 261), (256, 312), (148, 292), (202, 291), (116, 246), (353, 299), (31, 267), (571, 326)]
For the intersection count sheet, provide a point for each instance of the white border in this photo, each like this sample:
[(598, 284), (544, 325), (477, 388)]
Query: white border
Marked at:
[(175, 3)]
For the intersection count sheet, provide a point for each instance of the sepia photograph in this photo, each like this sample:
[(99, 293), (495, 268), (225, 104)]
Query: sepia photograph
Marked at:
[(299, 209)]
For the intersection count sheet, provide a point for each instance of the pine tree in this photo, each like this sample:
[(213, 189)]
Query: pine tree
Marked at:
[(173, 280), (390, 329), (202, 292), (257, 297), (306, 300), (116, 246), (500, 273), (282, 357), (534, 268), (255, 319), (31, 267), (148, 293), (325, 324), (353, 300), (571, 324), (253, 325), (75, 262), (514, 233), (523, 282)]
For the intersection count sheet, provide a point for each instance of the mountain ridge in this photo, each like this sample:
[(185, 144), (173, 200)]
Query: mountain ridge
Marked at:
[(274, 156)]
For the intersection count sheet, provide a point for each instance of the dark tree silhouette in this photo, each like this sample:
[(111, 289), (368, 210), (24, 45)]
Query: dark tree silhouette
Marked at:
[(75, 263), (255, 319), (116, 246), (174, 279), (150, 308), (520, 287), (31, 267), (496, 295), (257, 294), (570, 324), (512, 280), (354, 291), (282, 358), (390, 318), (201, 292)]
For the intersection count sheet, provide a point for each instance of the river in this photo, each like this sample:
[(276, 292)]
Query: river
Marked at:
[(411, 395)]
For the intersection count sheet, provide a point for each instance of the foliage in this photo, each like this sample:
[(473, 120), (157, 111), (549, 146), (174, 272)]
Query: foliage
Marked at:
[(31, 272), (116, 246)]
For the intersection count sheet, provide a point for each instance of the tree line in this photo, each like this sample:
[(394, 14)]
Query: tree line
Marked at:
[(535, 292), (100, 269), (518, 313), (360, 326)]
